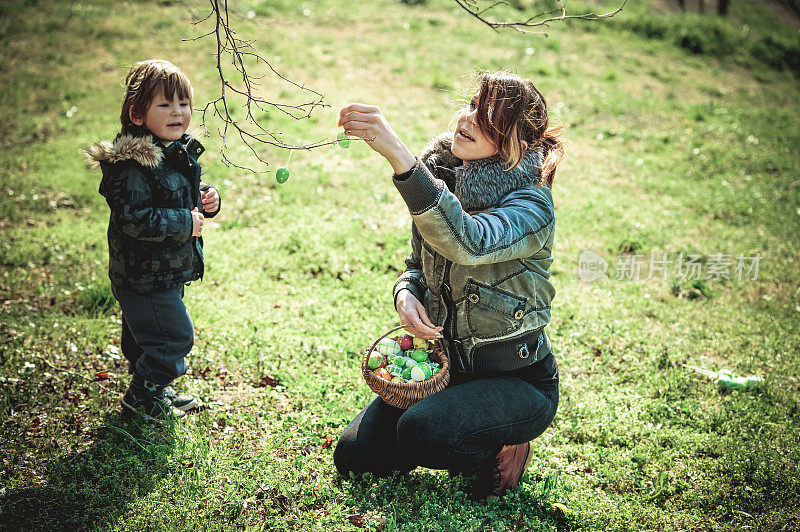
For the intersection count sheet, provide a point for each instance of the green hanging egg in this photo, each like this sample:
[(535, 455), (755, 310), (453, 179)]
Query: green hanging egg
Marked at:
[(344, 142), (282, 175)]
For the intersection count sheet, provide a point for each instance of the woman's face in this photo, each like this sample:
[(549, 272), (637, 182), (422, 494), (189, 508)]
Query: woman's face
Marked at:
[(469, 142)]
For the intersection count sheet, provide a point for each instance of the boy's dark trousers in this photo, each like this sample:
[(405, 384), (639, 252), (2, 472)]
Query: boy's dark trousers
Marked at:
[(157, 333)]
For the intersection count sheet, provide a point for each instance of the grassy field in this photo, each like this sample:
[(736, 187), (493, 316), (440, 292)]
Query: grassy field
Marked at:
[(676, 148)]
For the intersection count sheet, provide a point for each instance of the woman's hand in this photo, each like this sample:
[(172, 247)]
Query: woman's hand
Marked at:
[(367, 122), (415, 318)]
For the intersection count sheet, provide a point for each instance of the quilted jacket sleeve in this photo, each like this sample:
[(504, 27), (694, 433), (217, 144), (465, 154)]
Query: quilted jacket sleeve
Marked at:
[(519, 227), (412, 278)]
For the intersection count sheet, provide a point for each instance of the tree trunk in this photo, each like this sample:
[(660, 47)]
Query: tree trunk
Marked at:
[(793, 5), (722, 8)]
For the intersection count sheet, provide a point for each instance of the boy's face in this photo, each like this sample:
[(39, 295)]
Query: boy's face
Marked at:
[(167, 119)]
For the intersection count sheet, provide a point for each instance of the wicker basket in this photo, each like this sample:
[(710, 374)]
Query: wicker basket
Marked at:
[(405, 394)]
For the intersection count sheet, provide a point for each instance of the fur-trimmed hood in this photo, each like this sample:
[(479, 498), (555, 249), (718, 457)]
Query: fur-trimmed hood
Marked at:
[(480, 184), (142, 149), (138, 146)]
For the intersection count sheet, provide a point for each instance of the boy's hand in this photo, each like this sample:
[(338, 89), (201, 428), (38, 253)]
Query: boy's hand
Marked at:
[(210, 199), (415, 318), (367, 122), (197, 222)]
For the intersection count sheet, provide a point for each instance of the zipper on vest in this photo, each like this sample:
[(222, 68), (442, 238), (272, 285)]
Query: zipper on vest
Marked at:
[(447, 296), (450, 322)]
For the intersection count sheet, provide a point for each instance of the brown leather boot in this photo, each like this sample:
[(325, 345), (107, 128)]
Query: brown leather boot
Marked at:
[(503, 474)]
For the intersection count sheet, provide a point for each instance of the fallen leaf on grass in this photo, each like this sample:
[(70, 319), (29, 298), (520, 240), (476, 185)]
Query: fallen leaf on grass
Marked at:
[(356, 520), (101, 376), (327, 443), (267, 381), (559, 507)]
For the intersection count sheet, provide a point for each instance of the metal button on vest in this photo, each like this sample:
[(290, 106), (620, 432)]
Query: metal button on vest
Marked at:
[(523, 351), (474, 298), (518, 315), (198, 150)]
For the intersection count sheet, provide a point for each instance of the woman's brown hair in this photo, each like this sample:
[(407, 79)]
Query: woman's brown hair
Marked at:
[(144, 82), (510, 111)]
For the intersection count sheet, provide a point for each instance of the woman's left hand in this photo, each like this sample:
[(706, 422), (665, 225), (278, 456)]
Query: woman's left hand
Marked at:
[(367, 122)]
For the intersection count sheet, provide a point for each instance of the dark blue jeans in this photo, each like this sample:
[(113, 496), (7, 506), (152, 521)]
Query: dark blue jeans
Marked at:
[(459, 428), (157, 333)]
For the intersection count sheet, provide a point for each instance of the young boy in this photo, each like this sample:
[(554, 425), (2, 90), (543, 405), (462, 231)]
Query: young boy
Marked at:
[(151, 182)]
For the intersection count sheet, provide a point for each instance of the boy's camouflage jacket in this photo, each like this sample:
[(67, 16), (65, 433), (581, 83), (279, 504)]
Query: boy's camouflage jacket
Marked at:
[(480, 258), (151, 190)]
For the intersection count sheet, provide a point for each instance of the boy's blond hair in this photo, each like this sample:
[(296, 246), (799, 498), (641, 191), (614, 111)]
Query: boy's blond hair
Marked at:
[(145, 81)]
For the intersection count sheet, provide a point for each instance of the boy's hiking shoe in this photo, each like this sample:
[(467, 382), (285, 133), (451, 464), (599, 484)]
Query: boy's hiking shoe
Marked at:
[(503, 473), (148, 400), (183, 402)]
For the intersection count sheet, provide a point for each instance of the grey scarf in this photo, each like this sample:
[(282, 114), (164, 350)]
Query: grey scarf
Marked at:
[(481, 184)]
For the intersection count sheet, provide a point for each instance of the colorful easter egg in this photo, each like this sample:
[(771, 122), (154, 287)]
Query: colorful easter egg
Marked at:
[(388, 347), (394, 370), (410, 362), (406, 373), (398, 360), (397, 379), (376, 360), (419, 356), (420, 372), (282, 175), (383, 374), (344, 142), (421, 343), (406, 341)]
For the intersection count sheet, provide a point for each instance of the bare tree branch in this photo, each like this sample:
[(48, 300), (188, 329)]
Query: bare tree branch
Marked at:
[(245, 93), (473, 7)]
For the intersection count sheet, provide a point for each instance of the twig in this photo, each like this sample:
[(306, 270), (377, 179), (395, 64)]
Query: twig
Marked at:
[(75, 374), (472, 7), (249, 130)]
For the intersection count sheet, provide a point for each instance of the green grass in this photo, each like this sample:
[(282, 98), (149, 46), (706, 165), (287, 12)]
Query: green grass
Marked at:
[(671, 152)]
